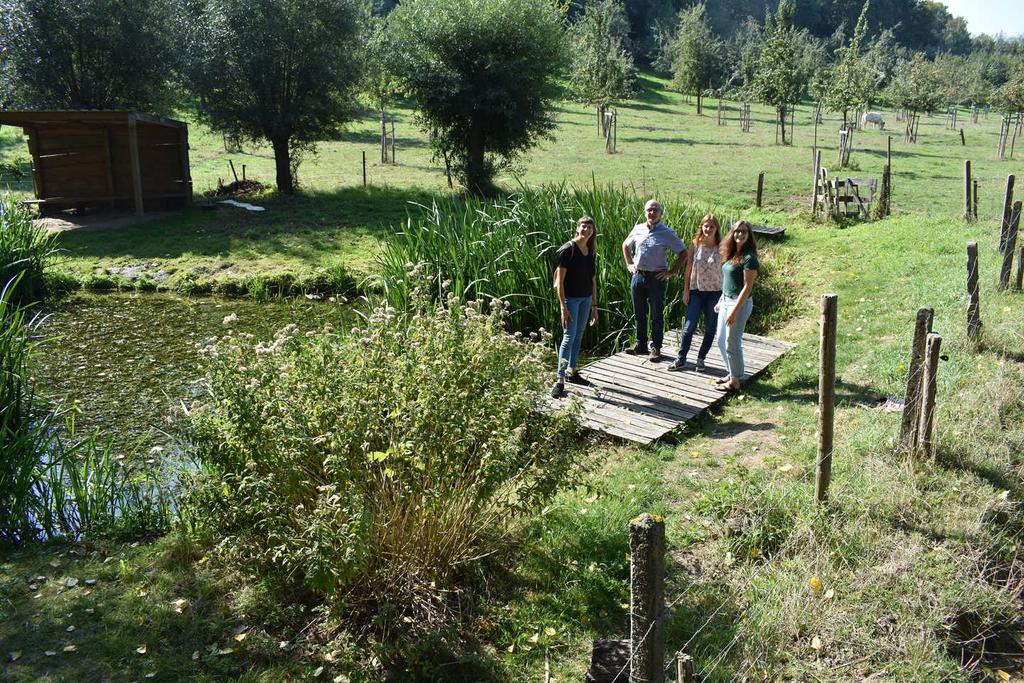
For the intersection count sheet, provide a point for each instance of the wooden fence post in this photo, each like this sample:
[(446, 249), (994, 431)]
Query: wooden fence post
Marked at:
[(967, 190), (684, 668), (1007, 207), (393, 142), (760, 188), (814, 192), (974, 199), (973, 298), (647, 598), (826, 396), (912, 401), (364, 168), (1020, 270), (1011, 245), (926, 424), (963, 142)]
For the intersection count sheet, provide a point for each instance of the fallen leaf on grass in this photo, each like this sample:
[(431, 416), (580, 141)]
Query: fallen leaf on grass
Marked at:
[(225, 651), (54, 563), (535, 637), (816, 643), (239, 637), (195, 655), (70, 629), (319, 670), (70, 648), (71, 583), (49, 653), (14, 656), (815, 584), (829, 594), (341, 678), (550, 631), (141, 649)]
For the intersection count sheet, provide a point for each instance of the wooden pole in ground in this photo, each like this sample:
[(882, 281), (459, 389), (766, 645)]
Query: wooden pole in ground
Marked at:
[(826, 396), (393, 141), (684, 668), (1004, 226), (233, 173), (647, 598), (1011, 245), (133, 152), (973, 298), (1020, 270), (967, 190), (888, 162), (974, 199), (926, 447), (814, 191), (364, 168), (912, 401), (760, 188), (963, 143)]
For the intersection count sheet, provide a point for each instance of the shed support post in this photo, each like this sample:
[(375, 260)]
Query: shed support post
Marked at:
[(186, 173), (133, 149)]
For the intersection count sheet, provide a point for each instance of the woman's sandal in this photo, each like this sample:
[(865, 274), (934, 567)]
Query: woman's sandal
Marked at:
[(723, 380), (726, 387)]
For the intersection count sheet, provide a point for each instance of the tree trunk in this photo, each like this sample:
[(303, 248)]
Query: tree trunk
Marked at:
[(782, 122), (477, 181), (283, 165), (700, 102)]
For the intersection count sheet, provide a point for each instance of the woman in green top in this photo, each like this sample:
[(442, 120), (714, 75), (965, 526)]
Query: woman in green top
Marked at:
[(739, 270)]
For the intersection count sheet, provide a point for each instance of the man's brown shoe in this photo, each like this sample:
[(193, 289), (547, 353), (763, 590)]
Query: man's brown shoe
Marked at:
[(637, 349), (655, 354)]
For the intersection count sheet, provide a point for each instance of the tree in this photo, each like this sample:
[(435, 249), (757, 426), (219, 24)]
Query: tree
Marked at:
[(601, 68), (483, 76), (778, 80), (697, 59), (849, 85), (86, 54), (915, 87), (380, 86), (278, 70)]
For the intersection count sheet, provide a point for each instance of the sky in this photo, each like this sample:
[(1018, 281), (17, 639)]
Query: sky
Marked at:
[(990, 16)]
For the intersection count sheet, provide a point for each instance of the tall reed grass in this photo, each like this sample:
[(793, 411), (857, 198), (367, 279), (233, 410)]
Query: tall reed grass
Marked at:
[(505, 248), (25, 250)]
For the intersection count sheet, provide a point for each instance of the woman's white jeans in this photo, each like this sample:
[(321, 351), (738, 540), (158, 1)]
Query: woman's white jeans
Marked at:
[(730, 337)]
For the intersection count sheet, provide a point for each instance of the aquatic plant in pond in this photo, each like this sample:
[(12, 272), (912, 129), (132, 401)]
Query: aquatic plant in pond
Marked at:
[(54, 481), (374, 463), (505, 248), (24, 251)]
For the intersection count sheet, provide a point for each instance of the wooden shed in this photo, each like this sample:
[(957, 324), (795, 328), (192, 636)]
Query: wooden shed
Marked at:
[(120, 159)]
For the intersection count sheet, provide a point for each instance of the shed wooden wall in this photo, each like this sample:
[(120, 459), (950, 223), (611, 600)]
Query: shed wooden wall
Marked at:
[(92, 164)]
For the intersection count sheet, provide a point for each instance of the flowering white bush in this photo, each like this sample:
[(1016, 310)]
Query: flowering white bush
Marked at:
[(377, 461)]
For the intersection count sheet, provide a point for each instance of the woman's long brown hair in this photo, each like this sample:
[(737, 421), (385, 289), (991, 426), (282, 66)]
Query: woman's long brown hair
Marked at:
[(592, 242), (713, 219), (728, 248)]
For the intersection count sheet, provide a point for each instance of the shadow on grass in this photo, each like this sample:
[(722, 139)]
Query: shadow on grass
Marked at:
[(805, 390), (276, 231)]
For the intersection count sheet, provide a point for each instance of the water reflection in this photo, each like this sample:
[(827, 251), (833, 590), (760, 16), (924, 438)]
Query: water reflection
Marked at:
[(123, 359)]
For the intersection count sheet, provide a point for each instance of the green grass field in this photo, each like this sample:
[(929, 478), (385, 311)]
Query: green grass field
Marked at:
[(910, 573), (663, 148)]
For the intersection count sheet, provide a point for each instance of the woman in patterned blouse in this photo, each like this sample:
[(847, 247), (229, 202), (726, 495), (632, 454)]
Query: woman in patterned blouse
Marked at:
[(702, 288)]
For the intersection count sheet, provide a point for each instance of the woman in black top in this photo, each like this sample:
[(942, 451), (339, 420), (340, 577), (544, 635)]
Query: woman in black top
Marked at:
[(577, 293)]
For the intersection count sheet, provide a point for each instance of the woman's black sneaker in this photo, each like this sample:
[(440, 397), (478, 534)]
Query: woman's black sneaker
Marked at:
[(677, 366), (577, 378), (558, 389)]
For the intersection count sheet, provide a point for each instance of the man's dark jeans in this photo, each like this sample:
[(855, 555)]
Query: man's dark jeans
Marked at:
[(647, 289)]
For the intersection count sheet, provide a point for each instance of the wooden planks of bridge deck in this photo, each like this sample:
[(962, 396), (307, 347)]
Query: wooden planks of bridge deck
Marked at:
[(640, 401)]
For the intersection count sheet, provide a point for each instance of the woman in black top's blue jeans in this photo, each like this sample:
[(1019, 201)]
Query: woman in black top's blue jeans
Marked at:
[(576, 286)]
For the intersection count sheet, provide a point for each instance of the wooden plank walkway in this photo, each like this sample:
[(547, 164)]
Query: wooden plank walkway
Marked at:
[(634, 399)]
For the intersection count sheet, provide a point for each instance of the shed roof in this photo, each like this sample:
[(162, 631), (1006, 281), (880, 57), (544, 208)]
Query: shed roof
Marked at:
[(84, 116)]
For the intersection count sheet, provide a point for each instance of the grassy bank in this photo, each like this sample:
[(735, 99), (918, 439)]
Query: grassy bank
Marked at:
[(910, 573)]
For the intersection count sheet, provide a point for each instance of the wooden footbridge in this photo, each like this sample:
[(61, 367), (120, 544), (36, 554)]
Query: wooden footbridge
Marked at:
[(640, 401)]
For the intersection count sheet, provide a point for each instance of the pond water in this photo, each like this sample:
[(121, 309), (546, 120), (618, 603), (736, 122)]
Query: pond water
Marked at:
[(123, 359)]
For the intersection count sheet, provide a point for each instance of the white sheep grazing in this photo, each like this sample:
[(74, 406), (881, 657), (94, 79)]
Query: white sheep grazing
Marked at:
[(872, 117)]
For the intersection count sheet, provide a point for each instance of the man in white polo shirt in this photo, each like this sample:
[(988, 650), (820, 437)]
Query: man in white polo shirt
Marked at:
[(651, 242)]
